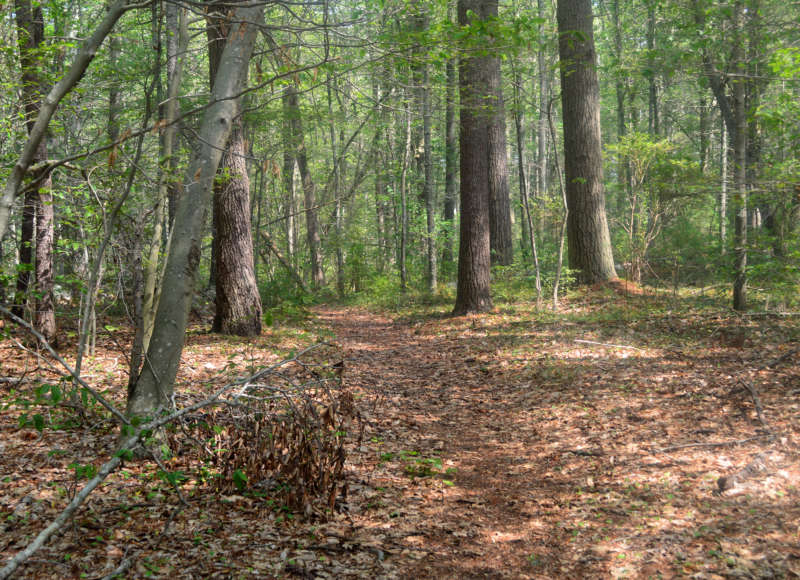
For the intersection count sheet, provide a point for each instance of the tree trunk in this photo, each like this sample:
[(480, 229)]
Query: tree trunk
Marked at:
[(473, 291), (541, 123), (501, 242), (429, 192), (740, 165), (39, 203), (237, 300), (155, 386), (450, 158), (588, 239), (309, 190)]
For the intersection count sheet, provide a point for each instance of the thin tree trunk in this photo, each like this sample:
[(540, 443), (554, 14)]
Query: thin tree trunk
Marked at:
[(309, 189), (404, 200), (541, 122), (723, 192), (30, 33), (450, 158), (740, 165), (519, 123)]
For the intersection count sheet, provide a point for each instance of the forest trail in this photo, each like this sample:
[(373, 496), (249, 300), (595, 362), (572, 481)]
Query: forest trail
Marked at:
[(437, 403), (507, 449)]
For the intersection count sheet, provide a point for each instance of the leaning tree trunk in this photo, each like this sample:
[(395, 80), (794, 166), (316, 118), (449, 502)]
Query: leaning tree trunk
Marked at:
[(155, 386), (588, 239), (473, 290), (237, 300)]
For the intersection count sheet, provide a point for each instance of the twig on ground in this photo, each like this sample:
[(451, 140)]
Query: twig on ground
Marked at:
[(127, 445), (609, 345), (756, 401), (123, 567), (717, 444), (98, 397)]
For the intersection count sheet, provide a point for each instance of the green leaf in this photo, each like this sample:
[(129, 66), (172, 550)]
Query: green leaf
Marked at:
[(38, 422), (240, 479)]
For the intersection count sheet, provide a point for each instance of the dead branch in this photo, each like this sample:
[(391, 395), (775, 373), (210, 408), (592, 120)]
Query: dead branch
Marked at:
[(757, 465), (716, 444), (609, 345), (98, 397), (756, 401)]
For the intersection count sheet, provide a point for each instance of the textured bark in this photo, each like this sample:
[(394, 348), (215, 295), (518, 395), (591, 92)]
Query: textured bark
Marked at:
[(501, 243), (30, 33), (237, 300), (26, 240), (541, 124), (588, 239), (155, 386), (287, 175), (473, 290)]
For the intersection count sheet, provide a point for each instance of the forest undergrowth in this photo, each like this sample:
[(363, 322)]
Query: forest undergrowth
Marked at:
[(625, 435)]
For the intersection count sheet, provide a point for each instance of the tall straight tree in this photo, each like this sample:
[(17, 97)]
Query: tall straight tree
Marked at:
[(237, 301), (588, 239), (501, 243), (155, 386), (38, 206), (474, 258)]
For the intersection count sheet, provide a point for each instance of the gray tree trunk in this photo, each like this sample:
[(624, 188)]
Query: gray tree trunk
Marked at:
[(155, 386)]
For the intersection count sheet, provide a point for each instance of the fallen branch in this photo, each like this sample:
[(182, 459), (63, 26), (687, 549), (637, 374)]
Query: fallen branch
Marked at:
[(755, 466), (128, 445), (98, 397), (717, 444), (756, 401), (609, 345)]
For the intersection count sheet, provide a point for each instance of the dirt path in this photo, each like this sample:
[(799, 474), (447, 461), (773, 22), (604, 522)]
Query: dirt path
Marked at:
[(492, 466)]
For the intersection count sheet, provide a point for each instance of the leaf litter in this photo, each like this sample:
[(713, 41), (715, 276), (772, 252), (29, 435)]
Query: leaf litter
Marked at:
[(618, 438)]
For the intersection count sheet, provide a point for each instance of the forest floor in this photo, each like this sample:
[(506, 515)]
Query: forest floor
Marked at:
[(625, 436)]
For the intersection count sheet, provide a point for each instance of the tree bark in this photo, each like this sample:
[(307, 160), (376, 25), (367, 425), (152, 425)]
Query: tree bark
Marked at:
[(473, 290), (501, 242), (155, 386), (588, 239), (237, 300), (740, 164), (38, 211)]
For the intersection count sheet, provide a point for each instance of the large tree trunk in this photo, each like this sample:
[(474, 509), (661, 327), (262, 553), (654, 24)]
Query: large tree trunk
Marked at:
[(155, 386), (237, 300), (473, 291), (501, 243), (588, 239), (30, 34)]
